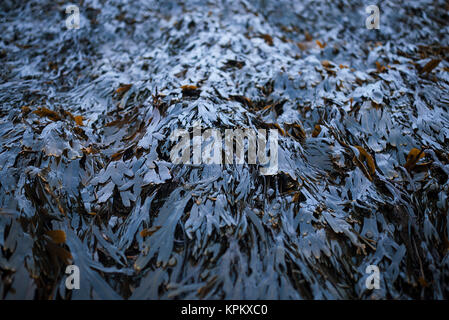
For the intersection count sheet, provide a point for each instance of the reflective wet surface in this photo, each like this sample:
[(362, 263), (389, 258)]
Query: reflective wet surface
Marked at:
[(86, 177)]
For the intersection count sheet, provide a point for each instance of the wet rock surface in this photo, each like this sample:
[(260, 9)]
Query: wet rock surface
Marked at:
[(85, 170)]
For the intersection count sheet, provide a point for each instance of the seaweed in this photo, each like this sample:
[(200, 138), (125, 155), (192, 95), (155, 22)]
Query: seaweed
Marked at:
[(86, 178)]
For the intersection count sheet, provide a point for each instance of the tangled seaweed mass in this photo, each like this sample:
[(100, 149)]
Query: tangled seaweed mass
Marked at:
[(85, 171)]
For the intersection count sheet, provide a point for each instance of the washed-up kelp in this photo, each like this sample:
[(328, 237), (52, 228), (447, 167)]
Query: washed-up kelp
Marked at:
[(85, 171)]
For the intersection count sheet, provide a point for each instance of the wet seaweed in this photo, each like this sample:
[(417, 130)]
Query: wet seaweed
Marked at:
[(86, 177)]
